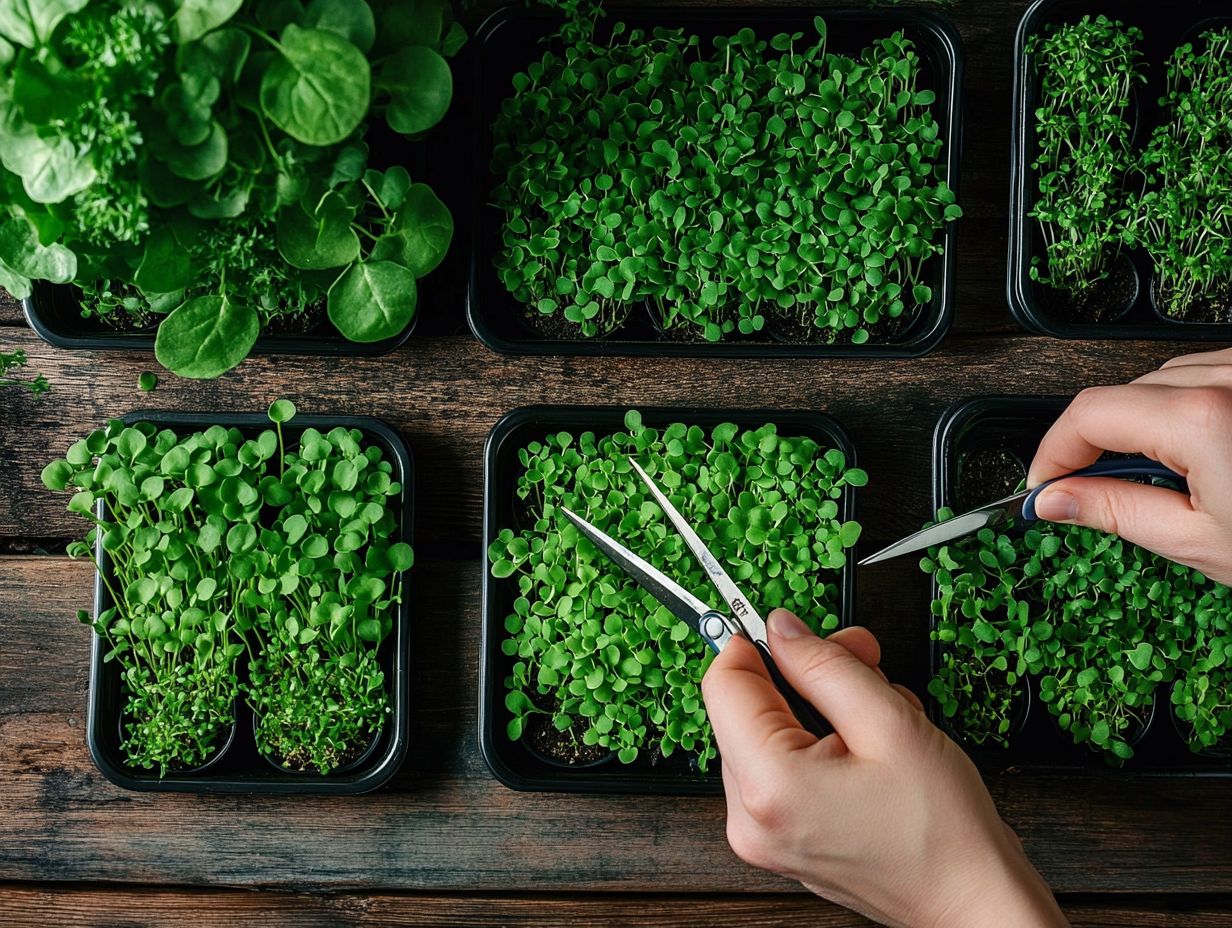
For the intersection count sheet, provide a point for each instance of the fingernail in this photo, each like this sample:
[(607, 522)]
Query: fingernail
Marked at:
[(1056, 505), (785, 625)]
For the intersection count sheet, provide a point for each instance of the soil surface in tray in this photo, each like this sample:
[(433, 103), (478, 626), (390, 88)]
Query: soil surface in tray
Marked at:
[(986, 476), (1104, 301)]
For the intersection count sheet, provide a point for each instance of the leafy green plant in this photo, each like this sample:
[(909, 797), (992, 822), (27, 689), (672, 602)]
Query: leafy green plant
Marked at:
[(10, 362), (590, 649), (1101, 622), (762, 181), (215, 545), (204, 165), (1183, 217), (1087, 71)]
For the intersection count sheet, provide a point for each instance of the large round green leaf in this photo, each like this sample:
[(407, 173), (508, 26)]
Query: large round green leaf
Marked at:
[(206, 337), (351, 19), (318, 89), (428, 228), (31, 22), (318, 242), (420, 86), (372, 300), (199, 162), (195, 18)]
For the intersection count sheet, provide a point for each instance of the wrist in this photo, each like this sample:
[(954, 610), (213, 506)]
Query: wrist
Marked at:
[(1003, 889)]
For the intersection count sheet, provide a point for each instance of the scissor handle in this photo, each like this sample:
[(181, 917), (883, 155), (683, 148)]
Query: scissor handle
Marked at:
[(804, 711), (1125, 468)]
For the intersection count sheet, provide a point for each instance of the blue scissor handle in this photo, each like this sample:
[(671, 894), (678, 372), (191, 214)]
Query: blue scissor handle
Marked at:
[(1125, 468)]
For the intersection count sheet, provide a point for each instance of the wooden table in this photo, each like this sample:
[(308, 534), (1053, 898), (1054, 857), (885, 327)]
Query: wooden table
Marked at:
[(445, 844)]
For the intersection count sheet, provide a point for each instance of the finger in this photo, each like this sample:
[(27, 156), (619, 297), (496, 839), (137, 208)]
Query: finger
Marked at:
[(860, 642), (1222, 356), (867, 714), (1143, 418), (911, 697), (1159, 519), (1191, 375), (750, 718)]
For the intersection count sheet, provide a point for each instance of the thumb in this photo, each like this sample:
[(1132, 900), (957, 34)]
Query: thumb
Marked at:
[(868, 714), (1159, 519)]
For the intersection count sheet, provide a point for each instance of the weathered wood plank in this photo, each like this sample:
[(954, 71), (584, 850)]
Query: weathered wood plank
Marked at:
[(445, 824), (39, 906), (447, 393)]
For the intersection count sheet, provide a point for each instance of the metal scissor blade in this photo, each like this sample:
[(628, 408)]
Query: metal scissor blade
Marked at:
[(951, 529), (741, 608), (683, 604)]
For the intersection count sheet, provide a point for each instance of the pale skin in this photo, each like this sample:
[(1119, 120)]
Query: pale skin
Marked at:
[(888, 816)]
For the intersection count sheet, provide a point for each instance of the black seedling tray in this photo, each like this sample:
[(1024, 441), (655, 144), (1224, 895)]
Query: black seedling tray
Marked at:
[(241, 769), (1017, 424), (512, 37), (54, 312), (1164, 27), (512, 762)]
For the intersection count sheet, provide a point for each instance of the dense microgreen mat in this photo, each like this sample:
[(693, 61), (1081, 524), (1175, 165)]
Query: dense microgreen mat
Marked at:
[(1083, 127), (205, 165), (1184, 216), (220, 550), (1103, 623), (729, 189), (599, 655)]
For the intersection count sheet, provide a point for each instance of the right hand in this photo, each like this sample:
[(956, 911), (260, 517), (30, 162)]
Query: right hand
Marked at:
[(1179, 415)]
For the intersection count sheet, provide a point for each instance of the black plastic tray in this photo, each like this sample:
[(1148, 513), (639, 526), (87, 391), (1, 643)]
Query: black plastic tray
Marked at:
[(1164, 27), (512, 37), (512, 761), (1016, 424), (242, 769)]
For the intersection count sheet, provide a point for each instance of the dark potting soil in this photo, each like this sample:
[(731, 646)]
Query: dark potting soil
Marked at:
[(1103, 301), (302, 763), (557, 327), (987, 475), (295, 323), (565, 747), (1211, 310)]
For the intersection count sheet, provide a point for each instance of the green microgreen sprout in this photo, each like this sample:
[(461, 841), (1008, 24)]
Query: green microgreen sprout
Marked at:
[(1100, 622), (598, 654), (216, 545), (1183, 217), (205, 168), (1083, 128), (36, 386), (757, 182), (147, 382)]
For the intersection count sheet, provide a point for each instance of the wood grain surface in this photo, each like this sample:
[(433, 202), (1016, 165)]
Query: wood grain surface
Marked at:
[(445, 844)]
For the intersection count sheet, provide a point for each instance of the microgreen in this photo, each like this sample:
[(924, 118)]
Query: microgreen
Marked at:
[(1087, 71), (607, 660), (209, 171), (218, 544), (1183, 218), (147, 382), (728, 189), (10, 362), (1100, 622)]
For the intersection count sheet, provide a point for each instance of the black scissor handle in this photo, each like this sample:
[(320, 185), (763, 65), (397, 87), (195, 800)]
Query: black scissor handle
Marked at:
[(804, 711)]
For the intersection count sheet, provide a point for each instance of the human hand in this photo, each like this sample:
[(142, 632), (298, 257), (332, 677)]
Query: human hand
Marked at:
[(1180, 415), (886, 816)]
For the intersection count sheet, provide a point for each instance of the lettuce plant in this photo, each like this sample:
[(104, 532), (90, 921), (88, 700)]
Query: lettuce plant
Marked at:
[(1087, 71), (1101, 622), (590, 649), (1184, 216), (204, 165), (219, 547), (725, 188)]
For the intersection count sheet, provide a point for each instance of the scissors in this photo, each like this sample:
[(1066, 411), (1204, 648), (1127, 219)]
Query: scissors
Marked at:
[(715, 628), (1022, 505)]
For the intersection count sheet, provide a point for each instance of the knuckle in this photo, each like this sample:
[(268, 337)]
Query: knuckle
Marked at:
[(1207, 409), (764, 802)]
